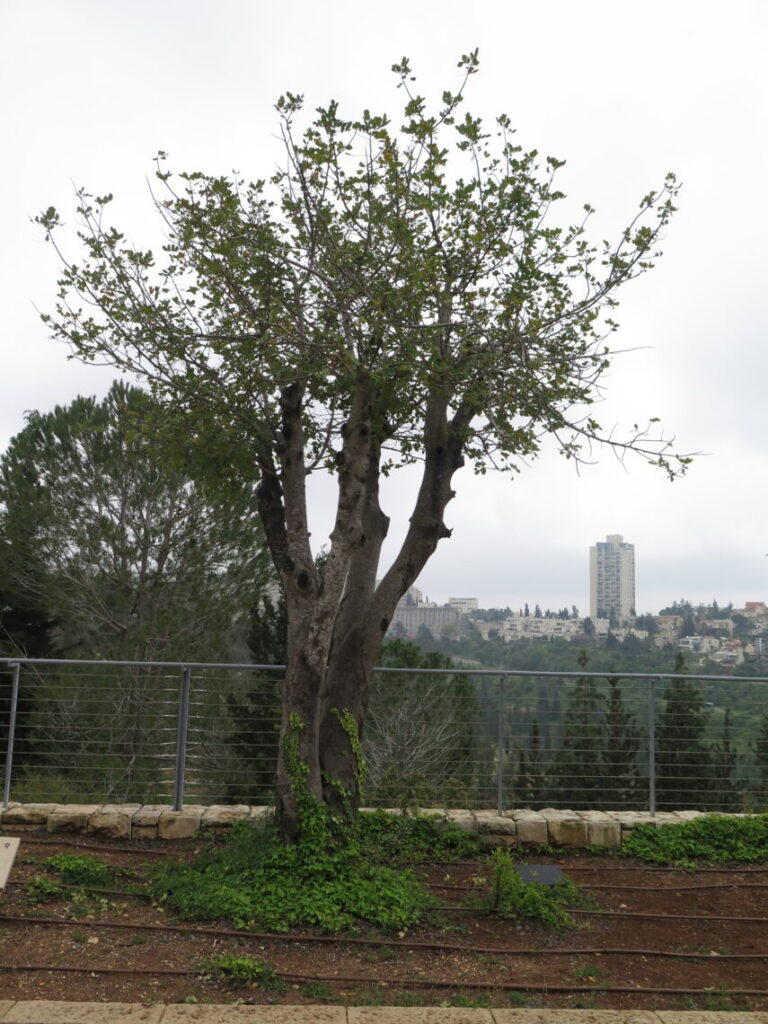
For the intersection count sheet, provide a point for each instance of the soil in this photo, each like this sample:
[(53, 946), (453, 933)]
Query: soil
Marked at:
[(607, 960)]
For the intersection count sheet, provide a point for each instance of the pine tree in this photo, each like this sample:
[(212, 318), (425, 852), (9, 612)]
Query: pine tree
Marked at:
[(760, 750), (530, 780), (578, 768), (621, 745), (683, 761), (725, 761)]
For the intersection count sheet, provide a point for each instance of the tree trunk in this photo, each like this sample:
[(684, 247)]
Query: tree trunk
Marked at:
[(336, 622)]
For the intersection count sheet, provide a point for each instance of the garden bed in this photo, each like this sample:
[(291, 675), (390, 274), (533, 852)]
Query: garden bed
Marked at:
[(653, 937)]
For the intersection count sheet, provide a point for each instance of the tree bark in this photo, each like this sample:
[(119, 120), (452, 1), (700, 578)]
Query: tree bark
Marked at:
[(337, 622)]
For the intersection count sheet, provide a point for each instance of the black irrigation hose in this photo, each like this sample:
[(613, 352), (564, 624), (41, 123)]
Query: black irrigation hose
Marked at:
[(667, 917), (626, 888), (391, 943), (100, 846), (486, 986)]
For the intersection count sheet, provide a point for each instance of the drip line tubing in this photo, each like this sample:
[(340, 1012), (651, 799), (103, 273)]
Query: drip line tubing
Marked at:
[(487, 986), (666, 917), (393, 943), (99, 846)]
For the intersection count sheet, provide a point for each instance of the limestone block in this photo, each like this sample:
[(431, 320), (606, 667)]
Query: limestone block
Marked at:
[(667, 818), (261, 813), (565, 827), (489, 822), (577, 1017), (175, 1014), (71, 817), (628, 819), (148, 815), (46, 1011), (602, 829), (27, 814), (465, 820), (710, 1017), (113, 820), (531, 826), (219, 816), (689, 815), (432, 812), (143, 831), (180, 824), (417, 1015)]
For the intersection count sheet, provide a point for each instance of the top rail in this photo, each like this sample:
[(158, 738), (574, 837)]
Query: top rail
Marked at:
[(453, 671)]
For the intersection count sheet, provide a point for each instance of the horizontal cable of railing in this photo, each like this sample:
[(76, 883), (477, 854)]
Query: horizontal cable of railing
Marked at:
[(128, 730)]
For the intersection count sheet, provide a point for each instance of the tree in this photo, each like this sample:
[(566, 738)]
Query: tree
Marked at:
[(421, 735), (620, 749), (530, 781), (683, 765), (126, 556), (388, 297), (725, 761), (579, 780)]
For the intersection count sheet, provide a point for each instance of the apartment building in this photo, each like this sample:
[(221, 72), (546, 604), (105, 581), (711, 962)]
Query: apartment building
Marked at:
[(612, 579)]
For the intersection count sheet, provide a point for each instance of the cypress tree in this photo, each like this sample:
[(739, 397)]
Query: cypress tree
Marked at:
[(621, 745), (683, 760)]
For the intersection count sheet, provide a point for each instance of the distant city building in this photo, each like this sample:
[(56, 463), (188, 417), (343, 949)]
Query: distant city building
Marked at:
[(612, 579), (413, 611)]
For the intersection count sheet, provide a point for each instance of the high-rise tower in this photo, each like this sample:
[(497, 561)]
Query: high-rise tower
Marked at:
[(612, 579)]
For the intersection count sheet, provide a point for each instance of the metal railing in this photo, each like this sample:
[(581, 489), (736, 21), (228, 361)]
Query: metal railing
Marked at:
[(170, 733)]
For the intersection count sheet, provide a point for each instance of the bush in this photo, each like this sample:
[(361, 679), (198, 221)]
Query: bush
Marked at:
[(709, 838)]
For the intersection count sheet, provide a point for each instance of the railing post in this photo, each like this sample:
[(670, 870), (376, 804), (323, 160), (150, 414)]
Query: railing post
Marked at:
[(11, 733), (500, 749), (652, 747), (182, 724)]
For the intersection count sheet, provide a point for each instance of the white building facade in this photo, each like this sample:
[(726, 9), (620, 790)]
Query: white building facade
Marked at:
[(612, 579)]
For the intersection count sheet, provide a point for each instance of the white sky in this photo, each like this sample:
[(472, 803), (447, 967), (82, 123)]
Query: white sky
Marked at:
[(92, 89)]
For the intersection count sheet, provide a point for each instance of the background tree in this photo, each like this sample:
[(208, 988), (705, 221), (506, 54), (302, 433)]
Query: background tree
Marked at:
[(725, 761), (620, 750), (578, 777), (683, 764), (389, 297), (421, 736), (760, 750), (116, 555), (255, 713), (126, 556), (530, 780)]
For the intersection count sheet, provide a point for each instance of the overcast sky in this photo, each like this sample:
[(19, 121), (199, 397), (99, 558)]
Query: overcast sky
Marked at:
[(92, 89)]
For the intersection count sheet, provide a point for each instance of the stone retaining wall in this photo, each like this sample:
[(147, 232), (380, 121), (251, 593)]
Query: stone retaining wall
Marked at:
[(155, 821)]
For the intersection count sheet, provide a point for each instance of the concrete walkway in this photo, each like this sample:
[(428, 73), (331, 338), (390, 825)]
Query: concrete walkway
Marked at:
[(44, 1012)]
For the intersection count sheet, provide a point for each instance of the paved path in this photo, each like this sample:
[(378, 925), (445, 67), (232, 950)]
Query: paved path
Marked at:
[(44, 1012)]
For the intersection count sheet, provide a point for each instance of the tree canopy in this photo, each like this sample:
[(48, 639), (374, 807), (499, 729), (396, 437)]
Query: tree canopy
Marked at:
[(390, 295), (124, 555)]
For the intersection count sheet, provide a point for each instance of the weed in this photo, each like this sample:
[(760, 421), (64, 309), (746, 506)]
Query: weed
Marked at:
[(139, 940), (404, 838), (366, 997), (406, 999), (316, 990), (240, 969), (516, 999), (480, 1002), (79, 869), (43, 890), (257, 882), (511, 897), (586, 974), (78, 936), (709, 838)]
